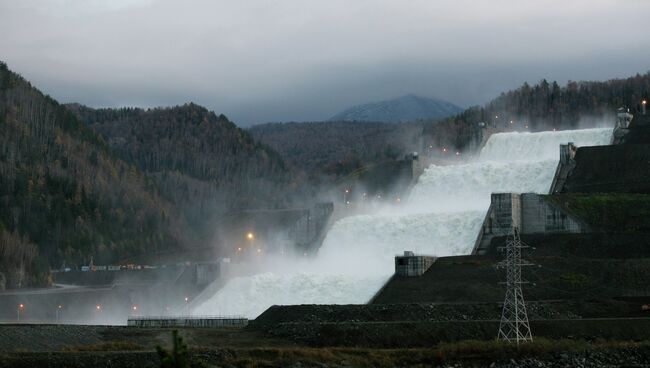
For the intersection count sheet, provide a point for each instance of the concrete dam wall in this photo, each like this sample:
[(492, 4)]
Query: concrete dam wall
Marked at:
[(445, 210), (531, 213)]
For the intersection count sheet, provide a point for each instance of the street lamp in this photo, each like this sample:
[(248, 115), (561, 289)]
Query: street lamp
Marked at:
[(250, 236), (21, 306), (187, 305), (58, 310)]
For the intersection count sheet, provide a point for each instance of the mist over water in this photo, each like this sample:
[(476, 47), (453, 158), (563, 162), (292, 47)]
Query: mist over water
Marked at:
[(441, 217)]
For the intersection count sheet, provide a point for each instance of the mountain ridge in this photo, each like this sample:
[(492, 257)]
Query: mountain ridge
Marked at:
[(406, 108)]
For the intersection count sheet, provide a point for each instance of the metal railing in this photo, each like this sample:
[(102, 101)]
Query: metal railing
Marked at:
[(189, 317)]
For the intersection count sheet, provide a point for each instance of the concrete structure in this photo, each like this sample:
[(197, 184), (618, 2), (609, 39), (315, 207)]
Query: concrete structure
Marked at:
[(198, 274), (621, 168), (307, 231), (531, 213), (623, 120), (410, 264), (631, 129), (565, 167), (206, 272), (187, 321)]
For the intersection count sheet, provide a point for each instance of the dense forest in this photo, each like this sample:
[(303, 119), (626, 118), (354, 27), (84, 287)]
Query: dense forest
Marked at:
[(543, 106), (202, 163), (63, 196), (116, 183), (333, 149)]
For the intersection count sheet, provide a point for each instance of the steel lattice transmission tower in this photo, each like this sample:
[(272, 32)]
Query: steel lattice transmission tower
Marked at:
[(514, 325)]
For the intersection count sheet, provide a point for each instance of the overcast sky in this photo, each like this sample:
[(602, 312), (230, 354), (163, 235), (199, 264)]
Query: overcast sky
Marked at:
[(296, 60)]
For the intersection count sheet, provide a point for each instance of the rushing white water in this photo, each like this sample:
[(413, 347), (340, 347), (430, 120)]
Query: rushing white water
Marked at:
[(441, 217)]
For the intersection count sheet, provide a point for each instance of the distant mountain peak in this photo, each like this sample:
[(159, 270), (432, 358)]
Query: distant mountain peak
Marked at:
[(409, 107)]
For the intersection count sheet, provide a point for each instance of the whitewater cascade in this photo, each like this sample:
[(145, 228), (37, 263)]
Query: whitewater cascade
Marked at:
[(441, 217)]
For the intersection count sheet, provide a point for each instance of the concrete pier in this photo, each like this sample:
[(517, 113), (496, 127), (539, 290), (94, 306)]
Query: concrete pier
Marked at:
[(531, 213)]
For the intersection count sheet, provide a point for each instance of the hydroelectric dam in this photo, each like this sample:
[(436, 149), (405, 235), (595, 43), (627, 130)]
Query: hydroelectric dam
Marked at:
[(442, 217)]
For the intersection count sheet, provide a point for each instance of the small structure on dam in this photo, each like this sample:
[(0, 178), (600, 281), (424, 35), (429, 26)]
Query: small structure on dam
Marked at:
[(411, 264)]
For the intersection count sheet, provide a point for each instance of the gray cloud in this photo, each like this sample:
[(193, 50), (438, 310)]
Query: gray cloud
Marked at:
[(278, 60)]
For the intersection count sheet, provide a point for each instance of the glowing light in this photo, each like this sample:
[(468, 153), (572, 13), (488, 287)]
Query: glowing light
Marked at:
[(60, 306), (239, 249), (511, 121), (398, 199), (259, 250), (250, 236), (347, 190), (644, 102), (135, 307), (444, 149), (98, 307), (457, 153), (186, 299), (21, 306)]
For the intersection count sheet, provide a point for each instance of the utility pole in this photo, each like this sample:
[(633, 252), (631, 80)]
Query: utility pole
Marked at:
[(514, 326)]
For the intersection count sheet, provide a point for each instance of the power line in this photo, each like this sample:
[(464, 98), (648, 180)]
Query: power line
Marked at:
[(514, 326)]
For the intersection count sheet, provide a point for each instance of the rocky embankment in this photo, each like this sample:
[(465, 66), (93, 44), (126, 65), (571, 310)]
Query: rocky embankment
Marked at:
[(633, 356)]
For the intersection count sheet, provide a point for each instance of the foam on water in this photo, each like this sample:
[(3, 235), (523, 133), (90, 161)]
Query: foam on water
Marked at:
[(441, 217)]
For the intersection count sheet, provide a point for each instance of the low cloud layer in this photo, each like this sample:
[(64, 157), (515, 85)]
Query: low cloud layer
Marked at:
[(280, 60)]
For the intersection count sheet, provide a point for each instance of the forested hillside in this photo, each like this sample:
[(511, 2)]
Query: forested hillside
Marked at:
[(77, 183), (200, 161), (337, 148), (64, 196), (544, 106)]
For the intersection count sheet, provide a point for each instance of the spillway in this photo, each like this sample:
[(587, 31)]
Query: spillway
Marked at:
[(441, 217)]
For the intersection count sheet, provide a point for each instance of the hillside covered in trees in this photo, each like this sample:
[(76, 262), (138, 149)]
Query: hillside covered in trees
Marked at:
[(201, 162), (543, 106), (69, 193), (336, 148), (64, 196)]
